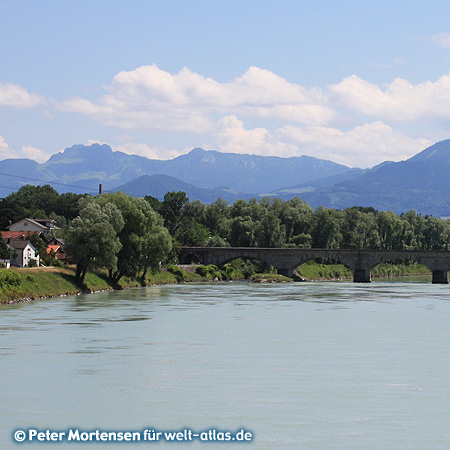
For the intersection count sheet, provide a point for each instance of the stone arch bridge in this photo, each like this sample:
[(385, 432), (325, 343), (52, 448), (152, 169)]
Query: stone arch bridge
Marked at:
[(285, 260)]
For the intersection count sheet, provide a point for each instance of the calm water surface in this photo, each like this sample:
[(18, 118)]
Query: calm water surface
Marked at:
[(315, 366)]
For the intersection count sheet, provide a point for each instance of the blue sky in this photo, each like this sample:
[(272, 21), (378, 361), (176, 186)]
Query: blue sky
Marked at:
[(354, 82)]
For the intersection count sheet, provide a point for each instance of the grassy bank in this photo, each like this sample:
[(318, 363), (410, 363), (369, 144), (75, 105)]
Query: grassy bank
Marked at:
[(26, 284), (312, 270)]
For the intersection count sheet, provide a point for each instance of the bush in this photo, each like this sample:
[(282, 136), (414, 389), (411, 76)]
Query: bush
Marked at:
[(32, 263), (9, 278), (228, 273), (209, 272), (180, 274)]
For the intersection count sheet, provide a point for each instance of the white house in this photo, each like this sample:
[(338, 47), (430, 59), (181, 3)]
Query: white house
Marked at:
[(25, 252)]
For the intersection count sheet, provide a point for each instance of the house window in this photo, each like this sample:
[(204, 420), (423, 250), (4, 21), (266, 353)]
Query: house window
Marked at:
[(25, 224)]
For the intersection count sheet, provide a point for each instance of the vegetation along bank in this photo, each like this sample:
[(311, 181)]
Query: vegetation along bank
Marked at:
[(129, 240)]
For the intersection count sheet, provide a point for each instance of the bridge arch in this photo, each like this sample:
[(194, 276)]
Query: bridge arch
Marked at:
[(324, 264), (285, 260)]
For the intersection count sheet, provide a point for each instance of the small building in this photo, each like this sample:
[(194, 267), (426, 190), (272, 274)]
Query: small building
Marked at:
[(57, 251), (5, 263), (44, 226), (25, 252)]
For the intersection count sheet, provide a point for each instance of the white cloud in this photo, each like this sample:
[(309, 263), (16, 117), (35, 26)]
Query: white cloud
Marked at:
[(287, 119), (6, 152), (131, 147), (399, 101), (34, 153), (18, 97), (443, 39), (150, 98), (362, 146), (233, 138)]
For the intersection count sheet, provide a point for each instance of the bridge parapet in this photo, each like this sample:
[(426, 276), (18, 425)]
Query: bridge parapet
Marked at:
[(285, 260)]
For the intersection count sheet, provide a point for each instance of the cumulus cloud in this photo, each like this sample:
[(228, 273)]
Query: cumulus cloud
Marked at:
[(6, 152), (34, 153), (287, 119), (18, 97), (400, 101), (233, 138), (443, 39), (131, 147), (150, 98), (362, 146)]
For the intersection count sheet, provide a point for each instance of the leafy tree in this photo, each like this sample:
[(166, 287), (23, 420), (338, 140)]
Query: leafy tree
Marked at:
[(10, 212), (4, 251), (154, 203), (326, 228), (92, 238), (156, 248), (390, 229), (192, 233), (171, 209), (36, 199), (269, 232), (140, 223), (243, 232)]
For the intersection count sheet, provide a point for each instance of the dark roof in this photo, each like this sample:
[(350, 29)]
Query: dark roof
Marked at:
[(19, 244)]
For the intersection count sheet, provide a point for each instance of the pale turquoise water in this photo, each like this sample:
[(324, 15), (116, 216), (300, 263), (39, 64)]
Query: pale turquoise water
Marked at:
[(316, 366)]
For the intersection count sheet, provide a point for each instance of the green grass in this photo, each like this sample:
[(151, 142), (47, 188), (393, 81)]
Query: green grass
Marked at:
[(53, 282), (390, 269), (312, 270)]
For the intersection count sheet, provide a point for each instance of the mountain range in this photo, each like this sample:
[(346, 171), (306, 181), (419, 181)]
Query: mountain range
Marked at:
[(420, 183)]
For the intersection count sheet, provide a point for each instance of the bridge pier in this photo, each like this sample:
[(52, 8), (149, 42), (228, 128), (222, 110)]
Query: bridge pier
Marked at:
[(440, 277), (286, 272), (362, 276)]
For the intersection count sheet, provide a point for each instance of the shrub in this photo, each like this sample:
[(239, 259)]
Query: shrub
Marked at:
[(9, 278), (210, 272), (32, 263), (180, 274), (228, 273)]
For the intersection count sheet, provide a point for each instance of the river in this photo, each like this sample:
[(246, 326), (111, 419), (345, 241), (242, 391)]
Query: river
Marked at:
[(314, 366)]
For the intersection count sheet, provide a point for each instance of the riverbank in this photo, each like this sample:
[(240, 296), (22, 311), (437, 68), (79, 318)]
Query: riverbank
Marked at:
[(18, 285)]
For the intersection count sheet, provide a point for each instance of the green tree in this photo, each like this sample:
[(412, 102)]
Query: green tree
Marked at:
[(171, 210), (4, 251), (269, 232), (326, 228), (140, 223), (243, 232), (10, 212), (92, 238), (156, 249), (36, 199)]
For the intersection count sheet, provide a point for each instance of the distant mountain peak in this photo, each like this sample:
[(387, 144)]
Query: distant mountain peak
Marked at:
[(436, 152)]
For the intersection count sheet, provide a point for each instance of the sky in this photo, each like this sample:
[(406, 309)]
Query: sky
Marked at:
[(354, 82)]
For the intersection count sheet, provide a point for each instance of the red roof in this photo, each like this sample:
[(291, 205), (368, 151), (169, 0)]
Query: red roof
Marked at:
[(52, 247), (17, 234)]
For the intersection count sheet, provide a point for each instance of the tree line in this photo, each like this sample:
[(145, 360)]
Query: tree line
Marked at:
[(129, 235)]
